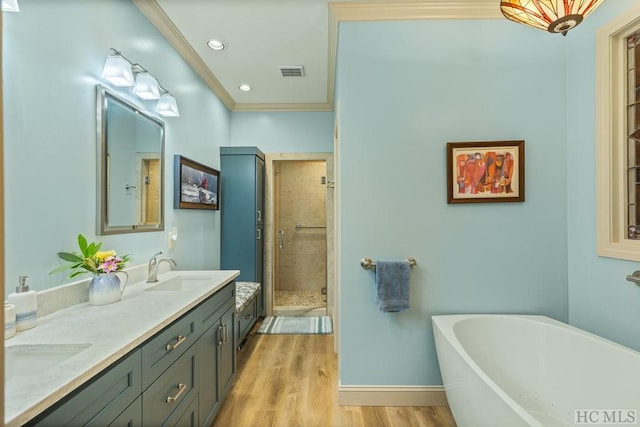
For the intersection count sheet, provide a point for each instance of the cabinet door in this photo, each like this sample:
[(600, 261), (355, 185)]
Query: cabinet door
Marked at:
[(259, 173), (238, 227), (208, 373), (226, 353), (259, 249)]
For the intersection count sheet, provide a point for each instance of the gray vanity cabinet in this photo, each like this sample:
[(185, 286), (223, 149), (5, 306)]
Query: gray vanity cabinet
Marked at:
[(242, 214), (178, 377)]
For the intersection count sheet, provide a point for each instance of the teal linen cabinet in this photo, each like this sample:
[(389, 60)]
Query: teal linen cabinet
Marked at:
[(242, 172)]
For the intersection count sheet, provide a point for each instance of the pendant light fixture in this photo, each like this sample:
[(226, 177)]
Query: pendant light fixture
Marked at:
[(554, 16), (10, 6)]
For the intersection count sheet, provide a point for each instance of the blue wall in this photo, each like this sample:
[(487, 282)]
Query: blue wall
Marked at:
[(53, 53), (406, 89), (600, 299), (283, 132)]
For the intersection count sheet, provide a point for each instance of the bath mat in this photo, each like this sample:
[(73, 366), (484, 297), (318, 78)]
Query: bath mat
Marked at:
[(296, 325)]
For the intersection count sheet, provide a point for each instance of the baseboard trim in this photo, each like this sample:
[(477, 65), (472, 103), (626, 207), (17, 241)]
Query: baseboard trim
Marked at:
[(391, 396)]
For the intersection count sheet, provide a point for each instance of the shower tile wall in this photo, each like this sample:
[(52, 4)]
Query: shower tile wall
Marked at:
[(301, 264)]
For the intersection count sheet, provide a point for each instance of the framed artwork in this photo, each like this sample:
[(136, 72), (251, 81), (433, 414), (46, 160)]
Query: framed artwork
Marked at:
[(196, 186), (488, 171)]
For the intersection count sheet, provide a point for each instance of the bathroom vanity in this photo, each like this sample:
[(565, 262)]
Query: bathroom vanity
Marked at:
[(164, 355)]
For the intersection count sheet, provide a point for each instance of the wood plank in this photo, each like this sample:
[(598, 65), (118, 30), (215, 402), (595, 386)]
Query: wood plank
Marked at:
[(292, 381)]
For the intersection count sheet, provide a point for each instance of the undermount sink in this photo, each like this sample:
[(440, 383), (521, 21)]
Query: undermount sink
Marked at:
[(30, 360), (181, 283)]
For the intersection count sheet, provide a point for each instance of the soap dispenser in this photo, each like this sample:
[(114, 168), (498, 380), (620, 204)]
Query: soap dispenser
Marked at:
[(26, 304)]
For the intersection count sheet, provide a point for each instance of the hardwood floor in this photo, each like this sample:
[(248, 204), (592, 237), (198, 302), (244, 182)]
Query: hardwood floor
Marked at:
[(291, 381)]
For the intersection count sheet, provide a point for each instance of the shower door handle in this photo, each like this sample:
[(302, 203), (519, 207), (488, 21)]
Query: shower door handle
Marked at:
[(281, 234)]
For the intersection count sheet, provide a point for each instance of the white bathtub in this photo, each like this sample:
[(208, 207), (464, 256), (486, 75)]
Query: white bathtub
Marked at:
[(509, 371)]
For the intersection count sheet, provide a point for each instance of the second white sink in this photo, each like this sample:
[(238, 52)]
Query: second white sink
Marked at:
[(182, 283)]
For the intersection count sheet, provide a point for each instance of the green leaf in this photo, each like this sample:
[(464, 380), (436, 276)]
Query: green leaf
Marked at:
[(65, 267), (60, 268), (82, 243), (71, 257), (92, 249), (77, 273)]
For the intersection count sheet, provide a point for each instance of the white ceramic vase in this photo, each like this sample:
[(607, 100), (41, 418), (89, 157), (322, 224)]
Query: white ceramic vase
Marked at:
[(107, 288)]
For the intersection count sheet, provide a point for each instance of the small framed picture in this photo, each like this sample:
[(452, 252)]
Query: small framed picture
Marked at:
[(196, 186), (487, 171)]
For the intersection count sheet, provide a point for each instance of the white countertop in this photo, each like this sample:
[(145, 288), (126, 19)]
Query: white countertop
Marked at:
[(113, 330)]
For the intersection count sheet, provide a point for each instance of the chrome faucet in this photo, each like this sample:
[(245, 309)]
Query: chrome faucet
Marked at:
[(153, 265)]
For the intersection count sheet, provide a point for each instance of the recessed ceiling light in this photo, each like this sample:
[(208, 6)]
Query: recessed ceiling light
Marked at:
[(215, 44), (244, 87)]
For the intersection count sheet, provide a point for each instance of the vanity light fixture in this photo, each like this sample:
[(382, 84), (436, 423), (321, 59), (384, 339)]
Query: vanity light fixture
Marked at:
[(146, 86), (215, 44), (244, 87), (119, 71), (167, 105), (555, 16), (10, 6)]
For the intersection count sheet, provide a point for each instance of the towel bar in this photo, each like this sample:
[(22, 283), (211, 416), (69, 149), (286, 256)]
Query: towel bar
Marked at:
[(369, 264), (298, 226), (635, 277)]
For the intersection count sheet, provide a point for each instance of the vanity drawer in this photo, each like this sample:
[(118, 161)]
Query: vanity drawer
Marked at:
[(102, 400), (172, 392), (210, 311), (166, 347), (246, 319)]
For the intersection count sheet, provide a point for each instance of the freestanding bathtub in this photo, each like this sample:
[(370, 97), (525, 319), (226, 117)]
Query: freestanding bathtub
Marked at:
[(512, 370)]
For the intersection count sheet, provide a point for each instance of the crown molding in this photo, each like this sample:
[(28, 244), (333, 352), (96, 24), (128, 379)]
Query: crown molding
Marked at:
[(338, 12), (152, 10), (414, 10), (246, 107)]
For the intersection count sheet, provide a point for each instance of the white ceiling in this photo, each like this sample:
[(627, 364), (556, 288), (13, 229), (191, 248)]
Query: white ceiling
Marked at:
[(261, 35)]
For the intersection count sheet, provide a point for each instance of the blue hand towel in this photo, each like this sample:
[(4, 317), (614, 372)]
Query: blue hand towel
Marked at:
[(392, 285)]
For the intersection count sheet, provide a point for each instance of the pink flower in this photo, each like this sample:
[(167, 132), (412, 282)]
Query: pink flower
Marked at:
[(108, 266)]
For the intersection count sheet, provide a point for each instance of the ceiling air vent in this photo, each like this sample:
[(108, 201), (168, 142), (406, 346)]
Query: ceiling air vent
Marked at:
[(292, 70)]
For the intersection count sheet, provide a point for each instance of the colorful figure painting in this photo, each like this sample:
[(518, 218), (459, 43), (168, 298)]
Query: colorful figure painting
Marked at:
[(485, 171)]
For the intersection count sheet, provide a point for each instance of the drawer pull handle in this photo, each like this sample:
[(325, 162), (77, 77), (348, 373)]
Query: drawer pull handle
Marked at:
[(220, 335), (180, 340), (181, 389), (248, 316)]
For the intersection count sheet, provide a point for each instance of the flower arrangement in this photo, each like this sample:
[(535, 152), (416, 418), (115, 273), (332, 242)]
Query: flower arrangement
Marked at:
[(91, 260)]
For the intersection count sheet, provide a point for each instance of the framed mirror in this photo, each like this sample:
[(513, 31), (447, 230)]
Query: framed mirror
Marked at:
[(130, 166)]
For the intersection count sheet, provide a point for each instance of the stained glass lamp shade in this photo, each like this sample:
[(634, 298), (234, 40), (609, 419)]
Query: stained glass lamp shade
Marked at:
[(555, 16)]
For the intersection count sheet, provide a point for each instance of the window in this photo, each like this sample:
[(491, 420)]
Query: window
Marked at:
[(633, 131), (618, 137)]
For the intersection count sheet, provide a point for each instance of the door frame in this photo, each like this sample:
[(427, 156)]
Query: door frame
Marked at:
[(270, 242)]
